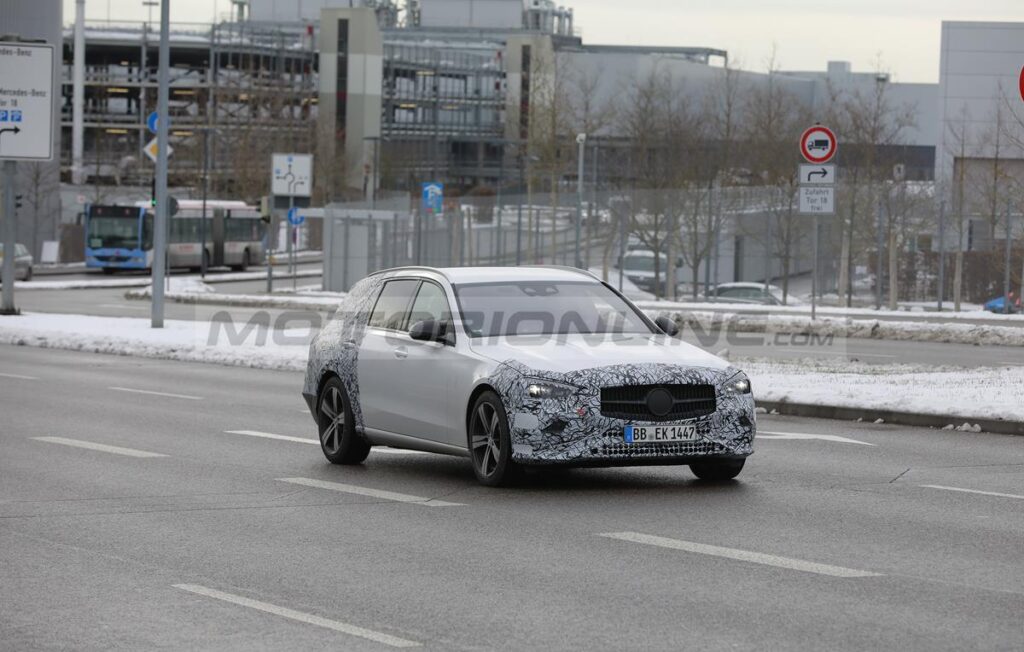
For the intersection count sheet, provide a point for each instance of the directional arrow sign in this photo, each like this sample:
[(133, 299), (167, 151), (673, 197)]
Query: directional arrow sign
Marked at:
[(817, 174)]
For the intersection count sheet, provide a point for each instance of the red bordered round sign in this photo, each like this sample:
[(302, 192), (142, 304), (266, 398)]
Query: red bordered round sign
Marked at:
[(818, 144), (1022, 83)]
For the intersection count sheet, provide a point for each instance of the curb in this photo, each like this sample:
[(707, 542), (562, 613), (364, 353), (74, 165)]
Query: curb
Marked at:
[(996, 426)]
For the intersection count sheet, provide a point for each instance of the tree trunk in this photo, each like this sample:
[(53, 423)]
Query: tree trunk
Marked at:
[(844, 270), (958, 279), (554, 220)]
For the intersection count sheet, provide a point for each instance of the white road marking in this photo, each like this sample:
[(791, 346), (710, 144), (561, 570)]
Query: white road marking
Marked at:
[(270, 435), (372, 493), (123, 306), (117, 450), (291, 614), (768, 434), (973, 491), (152, 393), (18, 377), (741, 555), (307, 440)]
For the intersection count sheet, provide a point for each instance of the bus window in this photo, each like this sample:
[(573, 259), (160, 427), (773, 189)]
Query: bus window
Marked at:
[(147, 232)]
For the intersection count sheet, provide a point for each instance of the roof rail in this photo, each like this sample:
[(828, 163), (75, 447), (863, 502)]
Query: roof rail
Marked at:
[(408, 268)]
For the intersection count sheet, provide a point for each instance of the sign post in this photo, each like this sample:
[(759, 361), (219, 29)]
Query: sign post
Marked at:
[(818, 146), (432, 203), (26, 133), (291, 176)]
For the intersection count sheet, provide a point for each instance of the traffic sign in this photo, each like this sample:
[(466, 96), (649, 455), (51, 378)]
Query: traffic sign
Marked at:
[(1021, 82), (294, 218), (153, 122), (291, 175), (26, 101), (817, 174), (818, 144), (433, 197), (817, 200), (152, 150)]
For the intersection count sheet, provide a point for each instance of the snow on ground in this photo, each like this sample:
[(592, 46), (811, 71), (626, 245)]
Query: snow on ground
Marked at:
[(295, 300), (144, 281), (830, 311), (959, 393), (986, 392)]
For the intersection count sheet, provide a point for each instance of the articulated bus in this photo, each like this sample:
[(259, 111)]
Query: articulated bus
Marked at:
[(121, 237)]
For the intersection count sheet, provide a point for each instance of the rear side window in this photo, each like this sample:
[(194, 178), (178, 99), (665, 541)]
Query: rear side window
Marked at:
[(393, 304)]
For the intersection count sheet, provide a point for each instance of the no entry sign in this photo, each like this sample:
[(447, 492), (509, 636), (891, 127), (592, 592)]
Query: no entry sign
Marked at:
[(818, 144)]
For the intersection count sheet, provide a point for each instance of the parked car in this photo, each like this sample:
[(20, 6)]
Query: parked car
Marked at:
[(23, 262), (750, 293), (638, 266), (996, 305), (512, 367)]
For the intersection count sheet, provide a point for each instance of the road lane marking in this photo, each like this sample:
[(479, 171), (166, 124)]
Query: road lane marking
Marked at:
[(117, 450), (307, 440), (152, 393), (270, 435), (972, 491), (18, 377), (741, 555), (768, 434), (122, 306), (372, 493), (291, 614)]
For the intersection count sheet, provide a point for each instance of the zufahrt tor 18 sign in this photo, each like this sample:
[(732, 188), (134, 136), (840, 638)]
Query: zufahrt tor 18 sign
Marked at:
[(26, 101)]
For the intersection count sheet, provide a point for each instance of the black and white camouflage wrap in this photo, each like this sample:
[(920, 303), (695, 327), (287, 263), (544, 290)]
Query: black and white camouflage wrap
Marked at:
[(572, 429), (336, 349)]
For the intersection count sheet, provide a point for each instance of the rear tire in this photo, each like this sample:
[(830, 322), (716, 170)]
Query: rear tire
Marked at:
[(338, 439), (490, 445), (28, 274), (109, 271), (717, 470), (245, 262)]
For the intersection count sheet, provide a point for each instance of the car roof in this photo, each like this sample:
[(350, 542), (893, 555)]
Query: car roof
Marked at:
[(460, 275), (754, 286)]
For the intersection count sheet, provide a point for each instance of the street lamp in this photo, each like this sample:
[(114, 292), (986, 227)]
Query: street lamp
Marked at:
[(581, 142)]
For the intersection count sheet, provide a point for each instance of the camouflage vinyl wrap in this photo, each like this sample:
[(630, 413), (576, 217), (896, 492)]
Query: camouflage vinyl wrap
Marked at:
[(337, 347), (572, 429)]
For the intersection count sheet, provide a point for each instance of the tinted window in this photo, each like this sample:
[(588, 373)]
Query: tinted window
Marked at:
[(431, 303), (390, 310)]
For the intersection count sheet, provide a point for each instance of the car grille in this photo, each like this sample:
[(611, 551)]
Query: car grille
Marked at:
[(667, 449), (689, 401)]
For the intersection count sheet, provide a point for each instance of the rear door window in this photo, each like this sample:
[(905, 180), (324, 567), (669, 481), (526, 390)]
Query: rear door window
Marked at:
[(392, 307)]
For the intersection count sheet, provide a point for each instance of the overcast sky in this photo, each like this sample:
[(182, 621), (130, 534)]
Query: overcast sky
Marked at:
[(804, 34)]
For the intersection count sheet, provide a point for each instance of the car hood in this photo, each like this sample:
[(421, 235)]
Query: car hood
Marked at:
[(568, 353)]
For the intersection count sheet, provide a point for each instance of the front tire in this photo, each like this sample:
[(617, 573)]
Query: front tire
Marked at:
[(490, 444), (28, 274), (338, 439), (717, 470)]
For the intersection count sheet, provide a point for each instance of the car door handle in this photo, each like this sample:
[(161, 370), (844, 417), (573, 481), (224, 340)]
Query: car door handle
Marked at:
[(401, 353)]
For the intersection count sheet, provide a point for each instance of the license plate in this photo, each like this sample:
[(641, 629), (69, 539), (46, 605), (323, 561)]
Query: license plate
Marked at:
[(658, 434)]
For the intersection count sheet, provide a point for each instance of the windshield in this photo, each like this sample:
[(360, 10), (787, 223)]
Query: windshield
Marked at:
[(545, 308), (642, 263), (114, 232)]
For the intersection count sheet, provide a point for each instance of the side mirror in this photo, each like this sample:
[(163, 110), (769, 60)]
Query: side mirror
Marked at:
[(430, 330), (667, 326)]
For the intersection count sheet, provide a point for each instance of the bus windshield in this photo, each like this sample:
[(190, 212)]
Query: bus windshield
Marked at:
[(114, 232)]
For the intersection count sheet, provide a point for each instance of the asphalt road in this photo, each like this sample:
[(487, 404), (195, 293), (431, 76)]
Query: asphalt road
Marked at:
[(860, 537)]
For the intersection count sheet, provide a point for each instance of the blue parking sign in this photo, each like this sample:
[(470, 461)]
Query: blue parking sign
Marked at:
[(433, 197), (3, 116), (15, 116)]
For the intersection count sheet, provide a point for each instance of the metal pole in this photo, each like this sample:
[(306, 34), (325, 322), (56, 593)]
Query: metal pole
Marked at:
[(814, 272), (78, 95), (878, 258), (497, 240), (942, 253), (10, 240), (160, 226), (206, 184), (622, 249), (581, 140), (291, 241), (1006, 270), (519, 213), (270, 255)]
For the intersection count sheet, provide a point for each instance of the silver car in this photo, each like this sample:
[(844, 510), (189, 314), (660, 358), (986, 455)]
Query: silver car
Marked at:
[(516, 367), (22, 262)]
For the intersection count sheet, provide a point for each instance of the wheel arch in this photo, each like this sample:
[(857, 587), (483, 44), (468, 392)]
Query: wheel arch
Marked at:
[(473, 396)]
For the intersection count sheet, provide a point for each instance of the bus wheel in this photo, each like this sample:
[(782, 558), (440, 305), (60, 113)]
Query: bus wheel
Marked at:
[(245, 262)]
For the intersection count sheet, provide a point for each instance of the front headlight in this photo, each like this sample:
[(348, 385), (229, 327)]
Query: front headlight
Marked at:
[(539, 388), (738, 384)]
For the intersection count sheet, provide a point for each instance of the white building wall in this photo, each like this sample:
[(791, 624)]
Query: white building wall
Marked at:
[(497, 14)]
